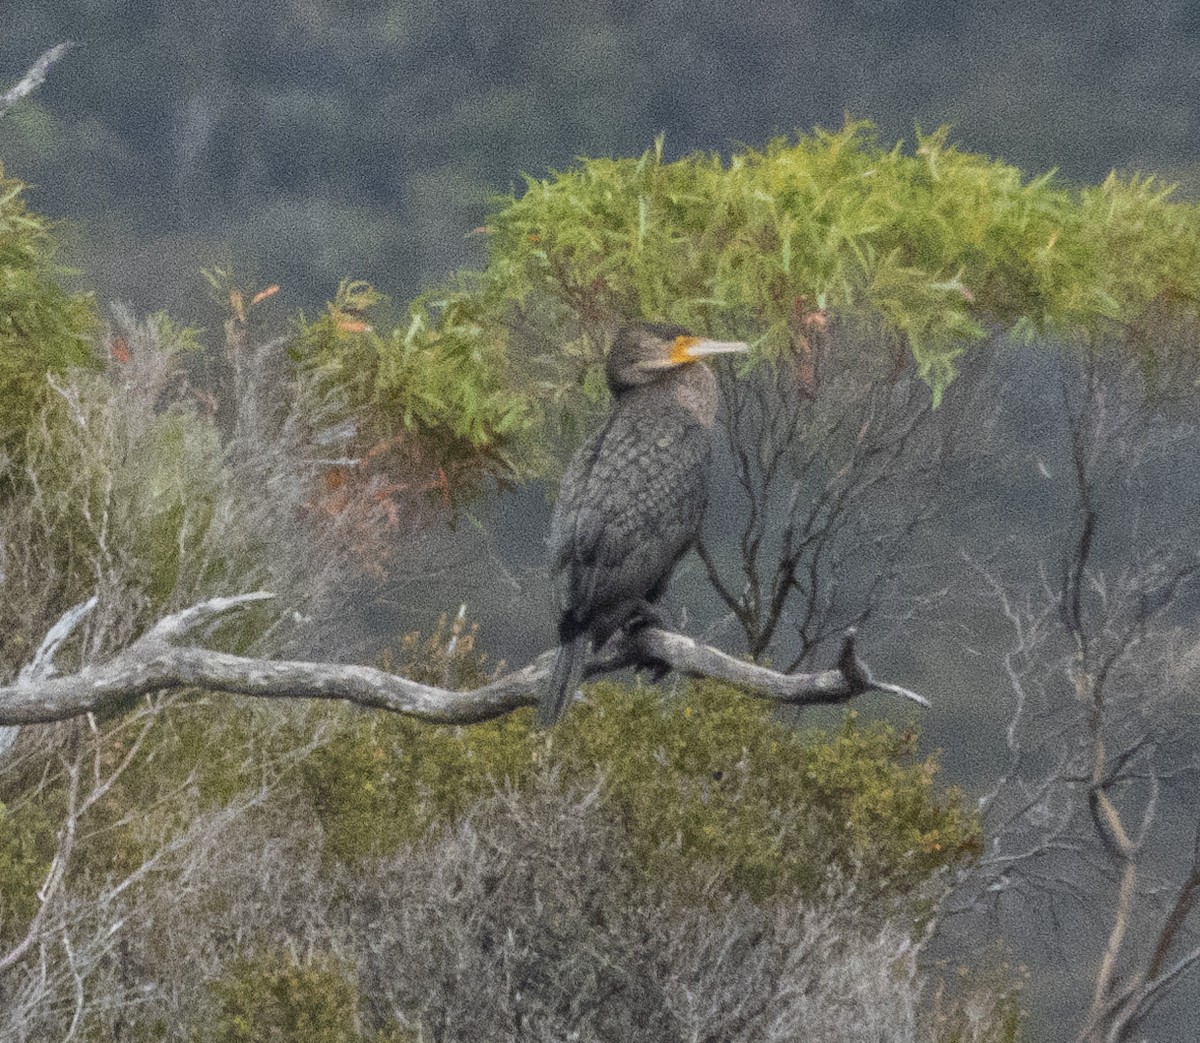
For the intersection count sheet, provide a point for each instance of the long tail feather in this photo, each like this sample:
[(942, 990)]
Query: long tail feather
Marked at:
[(568, 672)]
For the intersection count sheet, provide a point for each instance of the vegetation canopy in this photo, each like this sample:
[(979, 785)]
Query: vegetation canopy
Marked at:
[(921, 251), (930, 248)]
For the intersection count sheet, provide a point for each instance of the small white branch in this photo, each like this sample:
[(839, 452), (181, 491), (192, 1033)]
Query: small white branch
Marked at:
[(34, 78), (42, 666), (157, 662)]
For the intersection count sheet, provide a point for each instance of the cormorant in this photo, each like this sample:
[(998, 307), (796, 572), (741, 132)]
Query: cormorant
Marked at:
[(632, 499)]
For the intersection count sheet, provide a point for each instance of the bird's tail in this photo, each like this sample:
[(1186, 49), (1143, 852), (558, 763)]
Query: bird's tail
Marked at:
[(568, 672)]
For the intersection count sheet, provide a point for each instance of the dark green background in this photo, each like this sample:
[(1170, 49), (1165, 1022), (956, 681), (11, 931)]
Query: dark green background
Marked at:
[(304, 140)]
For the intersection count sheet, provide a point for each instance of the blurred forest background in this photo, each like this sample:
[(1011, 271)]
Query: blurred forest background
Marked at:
[(306, 141), (289, 146)]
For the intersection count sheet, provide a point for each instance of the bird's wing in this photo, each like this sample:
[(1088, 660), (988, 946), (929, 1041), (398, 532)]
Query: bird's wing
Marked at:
[(563, 524), (630, 506)]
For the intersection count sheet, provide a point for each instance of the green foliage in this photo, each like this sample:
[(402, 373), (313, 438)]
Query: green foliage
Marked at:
[(935, 245), (704, 800), (709, 783), (317, 174), (711, 779), (27, 838), (274, 999), (43, 329), (444, 385), (936, 248), (385, 779), (199, 758)]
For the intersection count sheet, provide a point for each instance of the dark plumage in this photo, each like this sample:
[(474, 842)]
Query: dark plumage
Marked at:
[(632, 500)]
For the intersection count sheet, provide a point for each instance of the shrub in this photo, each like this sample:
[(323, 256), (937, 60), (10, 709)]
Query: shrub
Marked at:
[(709, 783), (275, 999), (493, 883), (436, 406), (529, 919), (930, 244), (43, 329), (711, 778), (27, 842), (126, 489), (979, 1004)]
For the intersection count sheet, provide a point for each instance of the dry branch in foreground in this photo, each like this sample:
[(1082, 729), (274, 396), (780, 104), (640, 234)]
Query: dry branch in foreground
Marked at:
[(157, 661)]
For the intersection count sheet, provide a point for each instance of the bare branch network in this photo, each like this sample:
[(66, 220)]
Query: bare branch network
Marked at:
[(157, 661)]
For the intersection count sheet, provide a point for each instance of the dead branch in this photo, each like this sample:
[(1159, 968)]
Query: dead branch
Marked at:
[(34, 78), (157, 662), (1091, 739), (817, 479)]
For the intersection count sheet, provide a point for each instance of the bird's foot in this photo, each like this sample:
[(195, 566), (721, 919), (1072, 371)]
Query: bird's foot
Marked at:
[(647, 614), (658, 669), (650, 615)]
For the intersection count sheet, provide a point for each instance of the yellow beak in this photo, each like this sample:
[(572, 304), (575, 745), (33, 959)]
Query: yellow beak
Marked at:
[(692, 349)]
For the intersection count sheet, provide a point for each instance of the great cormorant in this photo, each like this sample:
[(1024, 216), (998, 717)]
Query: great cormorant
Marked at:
[(632, 500)]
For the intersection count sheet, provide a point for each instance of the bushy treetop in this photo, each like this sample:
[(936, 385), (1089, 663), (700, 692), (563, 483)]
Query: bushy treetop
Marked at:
[(932, 245), (925, 248)]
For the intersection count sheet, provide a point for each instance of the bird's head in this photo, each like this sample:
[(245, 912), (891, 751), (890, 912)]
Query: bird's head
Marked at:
[(644, 353)]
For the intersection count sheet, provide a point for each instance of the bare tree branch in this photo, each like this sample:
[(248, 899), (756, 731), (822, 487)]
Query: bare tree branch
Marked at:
[(35, 77), (822, 480), (1091, 741), (42, 665), (156, 662)]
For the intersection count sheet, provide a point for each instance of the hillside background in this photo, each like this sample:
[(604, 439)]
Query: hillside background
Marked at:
[(305, 140)]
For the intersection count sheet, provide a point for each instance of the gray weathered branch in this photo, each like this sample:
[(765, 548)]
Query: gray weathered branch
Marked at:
[(157, 661), (34, 78)]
